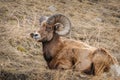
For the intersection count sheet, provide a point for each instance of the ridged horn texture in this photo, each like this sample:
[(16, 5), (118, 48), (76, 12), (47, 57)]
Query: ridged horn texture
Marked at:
[(59, 18)]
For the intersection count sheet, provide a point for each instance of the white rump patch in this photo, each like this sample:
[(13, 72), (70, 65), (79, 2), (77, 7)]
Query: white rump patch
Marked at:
[(115, 70)]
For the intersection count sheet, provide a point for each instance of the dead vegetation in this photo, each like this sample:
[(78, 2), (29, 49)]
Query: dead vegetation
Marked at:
[(96, 22)]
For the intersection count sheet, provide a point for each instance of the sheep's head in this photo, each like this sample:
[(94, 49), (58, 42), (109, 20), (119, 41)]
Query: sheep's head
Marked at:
[(55, 24)]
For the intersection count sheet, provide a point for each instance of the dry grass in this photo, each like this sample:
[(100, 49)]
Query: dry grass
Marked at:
[(96, 22)]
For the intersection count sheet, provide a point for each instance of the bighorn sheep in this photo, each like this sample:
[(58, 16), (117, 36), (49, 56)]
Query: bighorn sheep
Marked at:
[(61, 53)]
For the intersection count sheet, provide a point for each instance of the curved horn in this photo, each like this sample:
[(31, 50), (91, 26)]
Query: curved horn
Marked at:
[(59, 18)]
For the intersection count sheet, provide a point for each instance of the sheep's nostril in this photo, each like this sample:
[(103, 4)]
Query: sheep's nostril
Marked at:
[(35, 34)]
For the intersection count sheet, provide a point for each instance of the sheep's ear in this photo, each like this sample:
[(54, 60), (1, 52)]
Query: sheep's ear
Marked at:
[(58, 27), (42, 18)]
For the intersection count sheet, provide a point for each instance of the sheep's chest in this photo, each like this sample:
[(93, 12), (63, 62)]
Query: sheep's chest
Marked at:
[(47, 56)]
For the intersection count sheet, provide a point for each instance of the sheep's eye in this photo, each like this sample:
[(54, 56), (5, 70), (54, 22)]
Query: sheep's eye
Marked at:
[(48, 28)]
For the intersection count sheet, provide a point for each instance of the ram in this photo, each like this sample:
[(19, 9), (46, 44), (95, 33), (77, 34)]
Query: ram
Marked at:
[(63, 53)]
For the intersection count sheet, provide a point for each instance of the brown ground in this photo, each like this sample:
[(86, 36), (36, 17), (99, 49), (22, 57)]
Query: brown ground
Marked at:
[(96, 22)]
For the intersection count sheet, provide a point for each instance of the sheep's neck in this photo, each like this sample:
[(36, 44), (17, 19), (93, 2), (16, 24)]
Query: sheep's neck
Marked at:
[(51, 48)]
